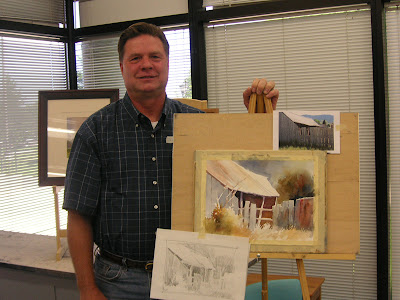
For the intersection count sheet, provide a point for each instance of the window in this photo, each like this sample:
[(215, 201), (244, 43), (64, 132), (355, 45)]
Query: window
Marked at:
[(393, 87), (43, 12), (320, 60), (27, 65)]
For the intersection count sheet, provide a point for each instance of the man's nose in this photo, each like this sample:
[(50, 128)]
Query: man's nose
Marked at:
[(146, 63)]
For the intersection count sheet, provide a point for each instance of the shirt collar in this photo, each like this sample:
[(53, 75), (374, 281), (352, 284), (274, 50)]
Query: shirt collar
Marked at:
[(137, 116)]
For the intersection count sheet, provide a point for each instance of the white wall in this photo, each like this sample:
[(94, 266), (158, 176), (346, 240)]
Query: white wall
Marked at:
[(97, 12)]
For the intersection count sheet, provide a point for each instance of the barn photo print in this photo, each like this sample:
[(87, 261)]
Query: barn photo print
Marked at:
[(276, 198), (307, 130)]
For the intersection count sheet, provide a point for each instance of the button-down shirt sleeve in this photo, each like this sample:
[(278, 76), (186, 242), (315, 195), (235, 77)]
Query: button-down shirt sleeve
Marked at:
[(84, 166)]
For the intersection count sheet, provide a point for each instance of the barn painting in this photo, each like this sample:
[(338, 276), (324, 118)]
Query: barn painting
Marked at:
[(309, 130), (276, 198)]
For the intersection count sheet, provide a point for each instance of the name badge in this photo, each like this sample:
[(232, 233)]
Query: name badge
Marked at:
[(169, 140)]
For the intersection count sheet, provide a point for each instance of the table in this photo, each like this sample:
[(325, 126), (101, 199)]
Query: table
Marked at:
[(314, 283)]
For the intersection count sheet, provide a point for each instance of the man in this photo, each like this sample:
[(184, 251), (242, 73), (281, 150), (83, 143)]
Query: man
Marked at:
[(118, 183)]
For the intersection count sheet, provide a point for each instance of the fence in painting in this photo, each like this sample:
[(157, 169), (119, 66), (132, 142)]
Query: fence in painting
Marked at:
[(253, 215), (289, 214)]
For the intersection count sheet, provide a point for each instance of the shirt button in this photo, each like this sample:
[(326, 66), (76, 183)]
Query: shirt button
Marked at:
[(156, 206), (153, 158), (152, 135), (155, 182)]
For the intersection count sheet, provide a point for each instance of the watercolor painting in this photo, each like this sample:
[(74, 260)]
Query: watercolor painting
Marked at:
[(307, 130), (60, 113), (188, 265), (276, 198)]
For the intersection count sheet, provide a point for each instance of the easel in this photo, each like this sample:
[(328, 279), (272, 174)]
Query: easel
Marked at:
[(255, 132), (302, 277), (261, 104), (60, 233)]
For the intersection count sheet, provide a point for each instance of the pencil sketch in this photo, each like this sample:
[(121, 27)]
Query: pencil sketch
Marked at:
[(309, 130), (275, 199), (189, 267)]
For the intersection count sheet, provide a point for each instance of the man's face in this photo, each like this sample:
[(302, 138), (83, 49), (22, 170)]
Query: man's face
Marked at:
[(144, 66)]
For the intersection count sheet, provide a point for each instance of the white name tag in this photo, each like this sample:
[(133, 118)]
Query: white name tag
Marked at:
[(169, 140)]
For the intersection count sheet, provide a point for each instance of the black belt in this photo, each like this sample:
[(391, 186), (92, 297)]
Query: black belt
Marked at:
[(130, 263)]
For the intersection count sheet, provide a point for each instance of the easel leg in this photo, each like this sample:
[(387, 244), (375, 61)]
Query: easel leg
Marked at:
[(264, 276), (59, 233), (303, 279)]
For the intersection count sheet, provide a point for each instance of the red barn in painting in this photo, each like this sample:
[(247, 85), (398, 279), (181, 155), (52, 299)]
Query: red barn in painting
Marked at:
[(255, 196)]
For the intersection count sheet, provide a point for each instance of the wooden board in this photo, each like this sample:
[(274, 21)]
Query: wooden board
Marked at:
[(254, 132)]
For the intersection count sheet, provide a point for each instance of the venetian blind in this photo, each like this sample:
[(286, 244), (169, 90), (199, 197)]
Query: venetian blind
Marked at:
[(221, 3), (392, 14), (98, 64), (44, 12), (320, 60), (26, 66)]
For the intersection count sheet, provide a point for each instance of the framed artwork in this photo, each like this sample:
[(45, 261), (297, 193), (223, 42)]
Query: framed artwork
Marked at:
[(188, 265), (307, 130), (61, 113), (276, 198)]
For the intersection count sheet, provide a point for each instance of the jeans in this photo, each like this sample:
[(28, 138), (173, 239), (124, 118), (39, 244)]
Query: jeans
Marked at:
[(121, 283)]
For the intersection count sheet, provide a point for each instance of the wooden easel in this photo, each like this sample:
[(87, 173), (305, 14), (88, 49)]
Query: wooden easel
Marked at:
[(261, 104), (254, 132), (264, 276), (60, 233)]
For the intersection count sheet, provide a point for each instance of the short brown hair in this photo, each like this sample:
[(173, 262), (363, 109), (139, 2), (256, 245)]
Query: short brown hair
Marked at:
[(139, 29)]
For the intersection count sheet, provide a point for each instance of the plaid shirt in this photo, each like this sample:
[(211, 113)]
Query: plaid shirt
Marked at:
[(119, 172)]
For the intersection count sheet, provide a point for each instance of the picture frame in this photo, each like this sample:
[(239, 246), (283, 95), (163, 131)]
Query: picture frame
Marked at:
[(276, 198), (61, 112)]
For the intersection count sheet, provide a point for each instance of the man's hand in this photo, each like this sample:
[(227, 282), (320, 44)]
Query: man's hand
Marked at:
[(261, 86)]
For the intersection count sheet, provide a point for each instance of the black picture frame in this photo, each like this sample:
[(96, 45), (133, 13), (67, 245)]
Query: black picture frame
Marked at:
[(56, 110)]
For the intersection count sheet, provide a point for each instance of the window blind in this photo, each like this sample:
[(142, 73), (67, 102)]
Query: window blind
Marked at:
[(26, 66), (43, 12), (98, 64), (320, 60), (392, 14), (220, 3)]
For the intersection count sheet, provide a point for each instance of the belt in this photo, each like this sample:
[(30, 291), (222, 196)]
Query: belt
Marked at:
[(130, 263)]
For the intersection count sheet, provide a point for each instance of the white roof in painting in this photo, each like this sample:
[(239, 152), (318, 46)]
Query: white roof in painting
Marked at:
[(301, 119), (190, 257), (234, 177)]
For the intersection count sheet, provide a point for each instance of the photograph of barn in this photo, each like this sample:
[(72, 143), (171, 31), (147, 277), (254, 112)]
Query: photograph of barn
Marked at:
[(307, 130)]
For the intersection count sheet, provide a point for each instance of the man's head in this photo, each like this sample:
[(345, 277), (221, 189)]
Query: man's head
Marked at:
[(139, 29), (144, 62)]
